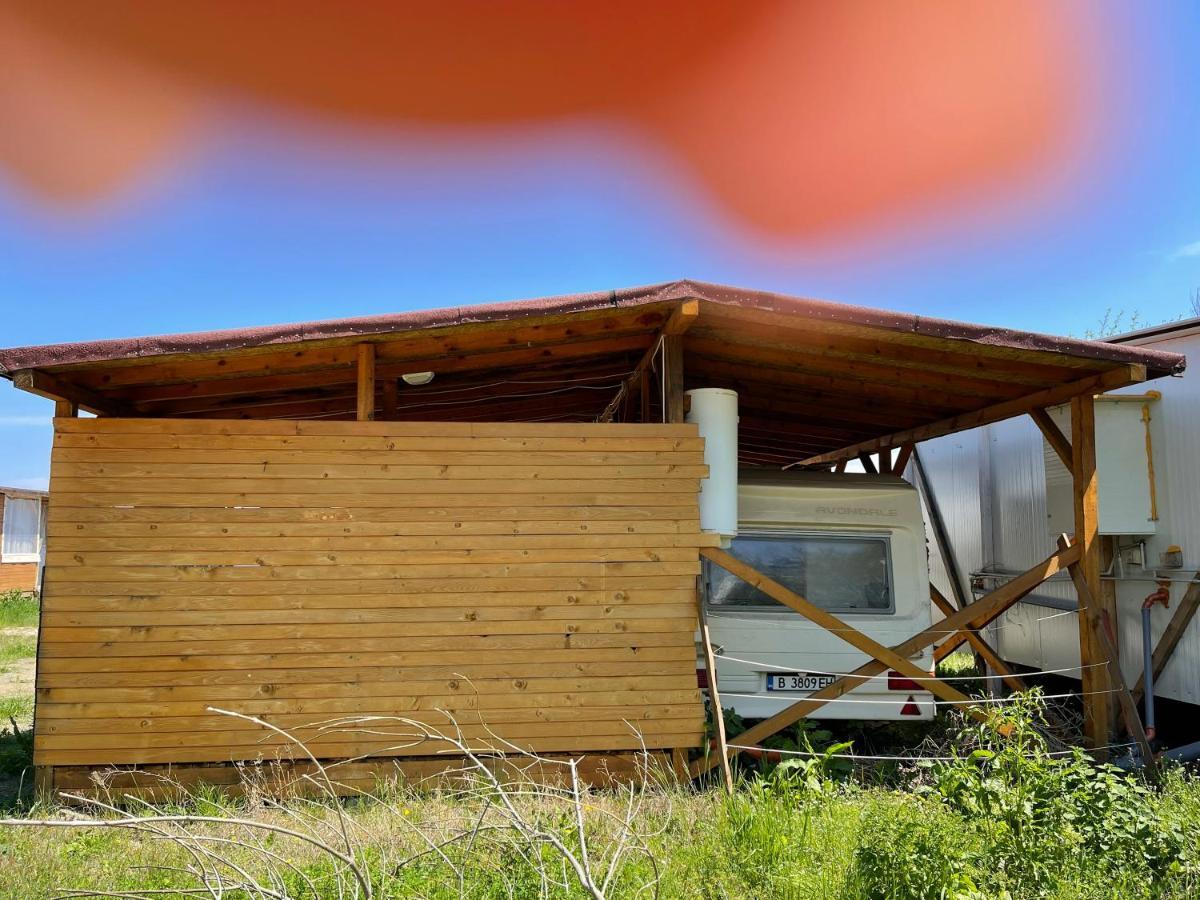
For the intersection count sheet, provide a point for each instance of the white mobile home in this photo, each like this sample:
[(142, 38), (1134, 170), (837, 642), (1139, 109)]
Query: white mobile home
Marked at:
[(22, 538), (998, 489)]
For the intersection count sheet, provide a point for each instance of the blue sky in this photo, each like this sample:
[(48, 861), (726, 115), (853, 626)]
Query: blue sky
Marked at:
[(270, 220)]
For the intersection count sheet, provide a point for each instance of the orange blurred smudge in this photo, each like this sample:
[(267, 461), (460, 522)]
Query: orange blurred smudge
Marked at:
[(800, 117)]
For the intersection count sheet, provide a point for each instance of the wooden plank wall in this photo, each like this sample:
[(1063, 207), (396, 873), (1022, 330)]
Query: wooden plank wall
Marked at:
[(533, 579)]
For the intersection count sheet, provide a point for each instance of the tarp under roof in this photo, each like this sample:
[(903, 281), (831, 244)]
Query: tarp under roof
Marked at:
[(812, 376)]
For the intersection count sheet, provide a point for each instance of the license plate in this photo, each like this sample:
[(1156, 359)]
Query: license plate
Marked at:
[(798, 681)]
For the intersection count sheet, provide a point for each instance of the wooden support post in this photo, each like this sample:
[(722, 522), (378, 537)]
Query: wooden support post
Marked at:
[(366, 382), (391, 399), (673, 376), (43, 783), (1108, 586), (714, 695), (1183, 616), (1101, 626), (1097, 719), (65, 409), (982, 647), (839, 466), (868, 464)]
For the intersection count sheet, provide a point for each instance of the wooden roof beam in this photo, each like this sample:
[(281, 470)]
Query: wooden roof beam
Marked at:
[(681, 319), (54, 388), (1120, 376), (926, 359), (463, 348), (837, 388), (733, 348)]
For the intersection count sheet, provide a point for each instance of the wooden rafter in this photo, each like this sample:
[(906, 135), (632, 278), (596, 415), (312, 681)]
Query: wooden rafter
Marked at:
[(974, 616), (681, 319), (44, 384), (883, 342), (1117, 377), (785, 381), (866, 372)]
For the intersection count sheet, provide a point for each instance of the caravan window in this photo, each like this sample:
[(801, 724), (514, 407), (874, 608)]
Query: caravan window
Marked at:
[(835, 572), (22, 537)]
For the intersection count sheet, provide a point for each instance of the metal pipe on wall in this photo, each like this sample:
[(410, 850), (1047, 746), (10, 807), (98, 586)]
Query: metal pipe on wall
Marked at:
[(1148, 673)]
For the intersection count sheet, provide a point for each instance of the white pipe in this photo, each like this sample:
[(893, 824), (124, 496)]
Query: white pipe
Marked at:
[(714, 410)]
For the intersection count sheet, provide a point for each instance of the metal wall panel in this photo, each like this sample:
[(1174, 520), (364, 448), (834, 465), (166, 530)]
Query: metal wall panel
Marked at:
[(1005, 461)]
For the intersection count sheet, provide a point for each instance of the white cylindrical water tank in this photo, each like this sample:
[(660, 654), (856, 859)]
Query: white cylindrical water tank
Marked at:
[(715, 411)]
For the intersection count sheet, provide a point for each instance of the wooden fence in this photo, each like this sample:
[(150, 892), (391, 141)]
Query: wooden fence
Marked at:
[(534, 580)]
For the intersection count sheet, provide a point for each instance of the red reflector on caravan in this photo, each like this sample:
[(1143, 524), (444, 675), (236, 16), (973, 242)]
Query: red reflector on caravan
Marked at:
[(910, 708), (898, 682)]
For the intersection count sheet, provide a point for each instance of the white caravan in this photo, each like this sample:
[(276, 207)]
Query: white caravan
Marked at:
[(853, 545)]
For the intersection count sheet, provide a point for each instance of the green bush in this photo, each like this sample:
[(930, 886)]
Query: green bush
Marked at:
[(1009, 819), (915, 850)]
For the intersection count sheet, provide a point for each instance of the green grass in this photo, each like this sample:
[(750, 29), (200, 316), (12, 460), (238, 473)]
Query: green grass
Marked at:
[(19, 708), (18, 609), (841, 842), (14, 648), (1004, 819)]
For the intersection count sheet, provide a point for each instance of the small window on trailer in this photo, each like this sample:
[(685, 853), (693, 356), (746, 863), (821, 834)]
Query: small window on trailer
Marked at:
[(22, 538), (837, 572)]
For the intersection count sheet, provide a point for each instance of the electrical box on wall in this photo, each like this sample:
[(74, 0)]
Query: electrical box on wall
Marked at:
[(1124, 468)]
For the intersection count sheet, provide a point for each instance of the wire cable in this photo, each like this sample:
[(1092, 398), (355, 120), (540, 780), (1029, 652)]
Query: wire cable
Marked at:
[(773, 667), (873, 757), (796, 698)]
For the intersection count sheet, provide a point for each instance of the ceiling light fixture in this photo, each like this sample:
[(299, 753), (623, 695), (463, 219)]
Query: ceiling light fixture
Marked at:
[(416, 379)]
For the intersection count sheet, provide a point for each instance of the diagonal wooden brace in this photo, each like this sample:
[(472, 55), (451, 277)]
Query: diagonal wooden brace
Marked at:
[(982, 647), (975, 615), (838, 627)]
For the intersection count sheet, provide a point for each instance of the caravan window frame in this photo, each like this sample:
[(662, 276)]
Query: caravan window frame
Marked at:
[(774, 607)]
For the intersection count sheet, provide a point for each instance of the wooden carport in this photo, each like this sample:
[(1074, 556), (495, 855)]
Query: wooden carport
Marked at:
[(819, 384)]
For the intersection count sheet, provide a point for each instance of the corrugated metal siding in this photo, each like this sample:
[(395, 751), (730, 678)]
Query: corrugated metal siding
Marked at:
[(951, 464), (1175, 429), (1014, 468)]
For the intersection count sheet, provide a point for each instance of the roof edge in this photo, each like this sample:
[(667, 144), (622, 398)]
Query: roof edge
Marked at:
[(78, 353)]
